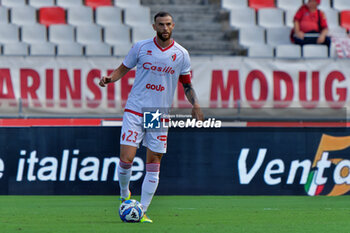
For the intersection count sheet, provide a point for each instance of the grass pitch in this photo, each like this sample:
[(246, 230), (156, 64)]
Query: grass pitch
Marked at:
[(180, 214)]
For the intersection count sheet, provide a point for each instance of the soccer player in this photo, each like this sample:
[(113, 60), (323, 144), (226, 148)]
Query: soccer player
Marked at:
[(161, 63)]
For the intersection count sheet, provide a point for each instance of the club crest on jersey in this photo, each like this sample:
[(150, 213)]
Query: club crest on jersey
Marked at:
[(173, 57), (149, 52)]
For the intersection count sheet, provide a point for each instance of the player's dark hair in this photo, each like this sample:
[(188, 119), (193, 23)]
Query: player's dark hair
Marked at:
[(162, 14)]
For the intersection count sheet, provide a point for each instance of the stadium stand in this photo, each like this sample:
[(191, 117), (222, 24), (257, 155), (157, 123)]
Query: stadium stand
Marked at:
[(13, 3), (69, 3), (98, 49), (52, 15), (109, 16), (226, 23), (282, 17), (258, 4), (15, 49), (332, 17), (127, 3), (121, 49), (23, 15), (35, 33), (315, 51), (288, 4), (61, 33), (345, 19), (9, 33), (289, 16), (42, 49), (98, 3), (136, 16), (229, 4), (244, 17), (4, 14), (41, 3), (288, 51), (277, 36), (201, 19), (252, 36), (89, 34), (80, 15), (141, 33), (341, 5), (325, 4), (270, 17), (70, 49), (260, 51), (117, 34)]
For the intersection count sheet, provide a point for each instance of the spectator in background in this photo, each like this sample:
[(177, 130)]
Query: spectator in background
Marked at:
[(310, 25)]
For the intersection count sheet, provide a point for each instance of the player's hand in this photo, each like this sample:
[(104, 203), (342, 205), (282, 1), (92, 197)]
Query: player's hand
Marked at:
[(105, 80), (197, 113)]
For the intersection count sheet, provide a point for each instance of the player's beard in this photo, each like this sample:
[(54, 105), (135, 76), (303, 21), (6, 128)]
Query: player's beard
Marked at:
[(160, 36)]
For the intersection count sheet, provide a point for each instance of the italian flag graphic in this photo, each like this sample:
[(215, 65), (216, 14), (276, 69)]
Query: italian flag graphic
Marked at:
[(311, 188)]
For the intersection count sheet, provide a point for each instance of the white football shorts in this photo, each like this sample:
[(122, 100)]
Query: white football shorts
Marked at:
[(133, 133)]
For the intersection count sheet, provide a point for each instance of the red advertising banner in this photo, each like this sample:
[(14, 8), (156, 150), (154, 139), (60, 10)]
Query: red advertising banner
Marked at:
[(44, 85)]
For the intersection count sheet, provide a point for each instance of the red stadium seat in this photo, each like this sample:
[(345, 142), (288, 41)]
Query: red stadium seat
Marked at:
[(345, 19), (97, 3), (52, 15), (257, 4)]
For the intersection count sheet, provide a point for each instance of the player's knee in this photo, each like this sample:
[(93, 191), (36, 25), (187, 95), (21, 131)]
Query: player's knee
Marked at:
[(154, 157), (125, 165), (127, 153), (126, 158)]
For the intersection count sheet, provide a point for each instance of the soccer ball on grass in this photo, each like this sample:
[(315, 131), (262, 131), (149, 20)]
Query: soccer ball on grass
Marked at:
[(130, 211)]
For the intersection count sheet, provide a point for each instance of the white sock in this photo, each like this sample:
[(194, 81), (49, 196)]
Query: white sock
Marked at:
[(150, 184), (124, 174)]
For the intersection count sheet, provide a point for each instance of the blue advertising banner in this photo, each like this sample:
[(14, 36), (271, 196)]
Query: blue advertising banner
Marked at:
[(225, 161)]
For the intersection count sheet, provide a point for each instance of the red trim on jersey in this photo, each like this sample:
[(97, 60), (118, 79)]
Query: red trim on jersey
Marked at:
[(163, 49), (133, 112), (185, 78)]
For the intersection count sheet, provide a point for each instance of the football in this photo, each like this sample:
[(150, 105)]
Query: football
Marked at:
[(130, 211)]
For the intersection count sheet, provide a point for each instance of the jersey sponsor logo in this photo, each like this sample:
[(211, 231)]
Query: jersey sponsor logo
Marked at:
[(162, 138), (155, 87), (149, 52), (165, 69)]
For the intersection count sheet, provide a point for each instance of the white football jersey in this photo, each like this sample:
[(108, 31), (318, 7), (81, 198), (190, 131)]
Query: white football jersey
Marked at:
[(157, 74)]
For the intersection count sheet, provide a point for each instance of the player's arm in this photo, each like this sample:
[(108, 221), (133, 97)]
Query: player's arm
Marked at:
[(192, 98), (114, 76)]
